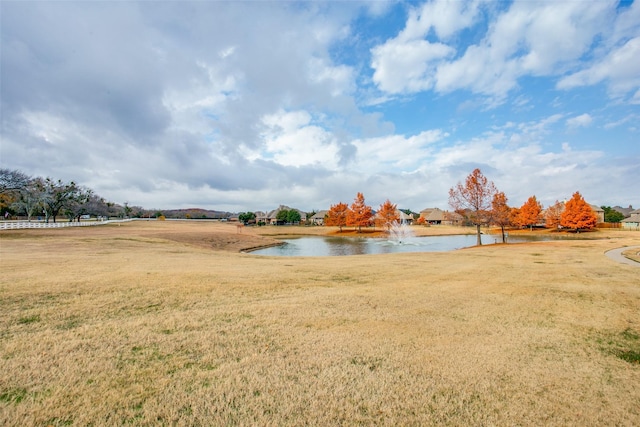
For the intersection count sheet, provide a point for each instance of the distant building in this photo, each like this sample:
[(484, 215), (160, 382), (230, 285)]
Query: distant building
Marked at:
[(633, 222), (624, 211), (599, 213), (432, 215), (272, 217), (404, 218), (318, 218)]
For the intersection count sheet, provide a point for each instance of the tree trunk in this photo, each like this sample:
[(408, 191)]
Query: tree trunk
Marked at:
[(504, 238), (479, 238)]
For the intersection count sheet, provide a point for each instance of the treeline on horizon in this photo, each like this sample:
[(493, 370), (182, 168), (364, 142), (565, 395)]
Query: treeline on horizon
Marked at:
[(46, 198)]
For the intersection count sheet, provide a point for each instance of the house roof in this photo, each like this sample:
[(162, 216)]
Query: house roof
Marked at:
[(625, 211), (633, 218), (432, 214), (403, 216), (453, 216)]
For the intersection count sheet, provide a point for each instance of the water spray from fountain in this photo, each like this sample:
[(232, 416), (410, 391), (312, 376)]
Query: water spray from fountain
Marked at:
[(400, 232)]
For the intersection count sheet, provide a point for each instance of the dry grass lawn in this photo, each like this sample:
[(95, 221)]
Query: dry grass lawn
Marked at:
[(165, 323)]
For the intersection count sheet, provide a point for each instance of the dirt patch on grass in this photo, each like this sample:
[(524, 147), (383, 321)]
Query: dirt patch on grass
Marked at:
[(224, 241)]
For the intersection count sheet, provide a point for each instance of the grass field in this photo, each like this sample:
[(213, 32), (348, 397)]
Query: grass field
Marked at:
[(166, 323)]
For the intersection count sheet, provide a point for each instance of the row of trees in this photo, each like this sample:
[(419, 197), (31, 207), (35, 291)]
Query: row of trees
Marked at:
[(479, 201), (284, 216), (21, 194), (288, 216), (359, 214)]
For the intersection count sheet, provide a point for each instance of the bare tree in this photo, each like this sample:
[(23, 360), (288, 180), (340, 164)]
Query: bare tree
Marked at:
[(31, 199), (13, 180), (59, 196), (473, 199), (78, 204)]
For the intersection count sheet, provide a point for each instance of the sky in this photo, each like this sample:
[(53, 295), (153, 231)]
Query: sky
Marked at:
[(246, 105)]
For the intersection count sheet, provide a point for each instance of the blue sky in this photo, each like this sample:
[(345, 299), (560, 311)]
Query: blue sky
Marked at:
[(247, 105)]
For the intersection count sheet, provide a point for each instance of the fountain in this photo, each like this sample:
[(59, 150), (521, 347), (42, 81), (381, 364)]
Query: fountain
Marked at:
[(400, 233)]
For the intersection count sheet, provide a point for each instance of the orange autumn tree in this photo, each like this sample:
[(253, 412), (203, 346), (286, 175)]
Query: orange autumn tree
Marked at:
[(359, 213), (337, 215), (553, 215), (529, 213), (500, 213), (578, 215), (473, 199), (387, 215)]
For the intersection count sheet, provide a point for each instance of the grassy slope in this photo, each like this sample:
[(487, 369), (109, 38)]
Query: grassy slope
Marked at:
[(125, 325)]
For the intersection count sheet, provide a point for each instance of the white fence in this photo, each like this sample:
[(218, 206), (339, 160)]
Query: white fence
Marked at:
[(18, 225)]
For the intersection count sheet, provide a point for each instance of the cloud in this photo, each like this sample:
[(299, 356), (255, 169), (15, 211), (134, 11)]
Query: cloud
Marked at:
[(444, 17), (236, 106), (527, 39), (582, 120), (620, 69), (395, 153), (291, 140), (407, 66), (407, 63)]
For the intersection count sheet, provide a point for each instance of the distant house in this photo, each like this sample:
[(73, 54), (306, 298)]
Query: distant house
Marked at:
[(261, 217), (599, 213), (272, 217), (403, 218), (452, 218), (432, 215), (318, 218), (624, 211), (633, 222)]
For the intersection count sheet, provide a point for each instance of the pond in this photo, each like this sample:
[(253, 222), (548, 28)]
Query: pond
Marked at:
[(343, 246)]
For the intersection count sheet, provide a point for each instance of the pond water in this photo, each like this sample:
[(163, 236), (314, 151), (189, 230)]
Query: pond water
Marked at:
[(342, 246)]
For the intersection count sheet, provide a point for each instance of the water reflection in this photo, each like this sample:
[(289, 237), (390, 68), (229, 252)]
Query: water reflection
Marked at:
[(340, 246)]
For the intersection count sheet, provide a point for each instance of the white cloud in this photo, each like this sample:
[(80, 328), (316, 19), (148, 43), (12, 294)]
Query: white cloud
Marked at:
[(395, 153), (408, 62), (582, 120), (620, 68), (407, 66), (528, 39), (479, 71), (627, 24), (620, 122), (615, 62), (339, 79), (379, 7), (445, 17), (291, 140)]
